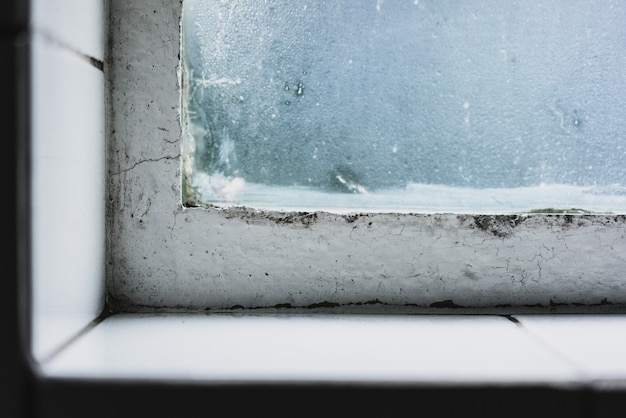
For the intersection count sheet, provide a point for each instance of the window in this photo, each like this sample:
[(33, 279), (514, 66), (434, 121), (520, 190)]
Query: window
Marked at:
[(166, 255), (405, 107)]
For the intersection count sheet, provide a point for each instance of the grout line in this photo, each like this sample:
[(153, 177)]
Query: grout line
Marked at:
[(584, 378), (95, 62), (513, 319), (96, 321), (99, 64)]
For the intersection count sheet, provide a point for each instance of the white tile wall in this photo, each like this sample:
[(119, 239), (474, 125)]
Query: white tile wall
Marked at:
[(68, 168), (75, 23)]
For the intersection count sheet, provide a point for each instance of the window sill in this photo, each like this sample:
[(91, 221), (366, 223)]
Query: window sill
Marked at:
[(564, 350)]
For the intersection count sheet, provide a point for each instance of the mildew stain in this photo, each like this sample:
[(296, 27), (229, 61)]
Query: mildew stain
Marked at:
[(445, 304), (501, 226), (261, 217), (471, 275)]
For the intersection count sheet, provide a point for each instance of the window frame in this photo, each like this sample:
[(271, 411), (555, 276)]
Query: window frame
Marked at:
[(163, 255)]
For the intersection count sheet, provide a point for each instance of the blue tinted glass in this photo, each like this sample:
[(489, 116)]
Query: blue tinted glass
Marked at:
[(406, 105)]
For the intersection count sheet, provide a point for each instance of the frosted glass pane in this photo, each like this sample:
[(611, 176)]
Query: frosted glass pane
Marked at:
[(473, 106)]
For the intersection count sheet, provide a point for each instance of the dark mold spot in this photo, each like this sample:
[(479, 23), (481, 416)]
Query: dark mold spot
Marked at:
[(500, 226), (324, 304), (445, 304), (369, 302), (603, 302), (279, 218), (304, 218)]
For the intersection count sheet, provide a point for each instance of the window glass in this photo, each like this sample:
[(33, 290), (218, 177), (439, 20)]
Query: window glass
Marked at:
[(416, 105)]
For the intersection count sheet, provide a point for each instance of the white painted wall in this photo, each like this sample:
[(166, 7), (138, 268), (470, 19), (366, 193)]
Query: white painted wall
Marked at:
[(68, 159), (163, 256)]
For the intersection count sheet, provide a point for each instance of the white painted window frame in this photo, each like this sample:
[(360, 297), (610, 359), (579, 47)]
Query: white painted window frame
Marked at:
[(163, 256)]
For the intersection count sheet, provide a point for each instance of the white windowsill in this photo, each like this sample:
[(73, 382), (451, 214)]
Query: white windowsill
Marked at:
[(555, 350)]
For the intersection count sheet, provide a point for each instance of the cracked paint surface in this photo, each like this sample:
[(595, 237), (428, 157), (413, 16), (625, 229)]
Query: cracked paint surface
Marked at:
[(164, 256)]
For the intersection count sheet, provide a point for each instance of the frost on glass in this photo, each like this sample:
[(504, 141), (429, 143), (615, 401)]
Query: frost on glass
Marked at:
[(473, 106)]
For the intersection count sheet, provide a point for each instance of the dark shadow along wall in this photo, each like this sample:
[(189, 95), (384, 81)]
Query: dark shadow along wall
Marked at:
[(14, 82)]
